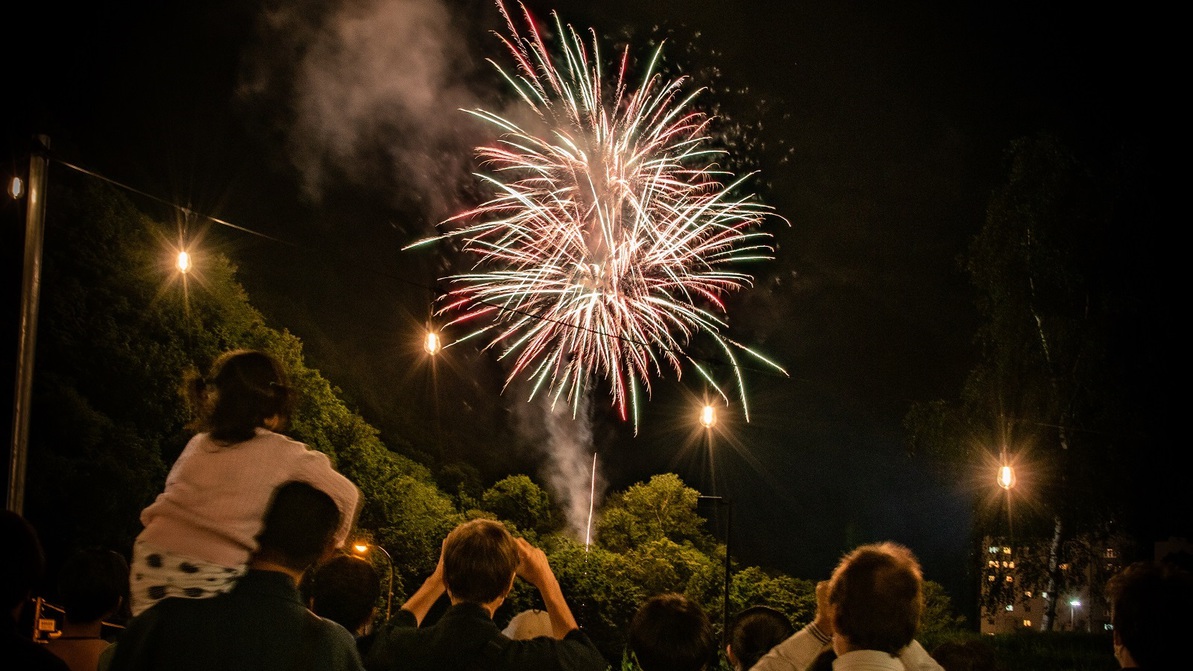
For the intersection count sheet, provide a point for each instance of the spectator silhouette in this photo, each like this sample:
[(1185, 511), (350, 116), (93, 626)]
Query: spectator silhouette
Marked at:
[(1151, 613), (262, 623), (345, 589), (477, 567), (21, 566), (867, 613), (92, 587), (753, 632), (672, 633)]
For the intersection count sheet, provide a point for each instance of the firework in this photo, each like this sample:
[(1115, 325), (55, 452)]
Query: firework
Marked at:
[(612, 236)]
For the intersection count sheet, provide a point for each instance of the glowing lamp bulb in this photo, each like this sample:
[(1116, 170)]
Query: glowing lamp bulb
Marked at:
[(1006, 477), (16, 188), (184, 262), (1076, 603), (708, 416), (431, 344), (360, 548)]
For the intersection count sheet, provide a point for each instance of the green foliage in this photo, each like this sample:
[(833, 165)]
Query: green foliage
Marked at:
[(939, 621), (663, 508), (795, 597), (522, 503)]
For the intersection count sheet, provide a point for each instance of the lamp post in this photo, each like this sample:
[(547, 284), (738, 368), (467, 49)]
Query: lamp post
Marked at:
[(363, 549), (722, 501), (1074, 604)]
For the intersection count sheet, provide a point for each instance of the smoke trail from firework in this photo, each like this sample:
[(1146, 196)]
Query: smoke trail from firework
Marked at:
[(612, 236)]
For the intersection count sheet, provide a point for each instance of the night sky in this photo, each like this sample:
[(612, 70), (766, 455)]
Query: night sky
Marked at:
[(878, 130)]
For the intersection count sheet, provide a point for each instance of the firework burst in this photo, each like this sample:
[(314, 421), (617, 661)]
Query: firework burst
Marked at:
[(612, 236)]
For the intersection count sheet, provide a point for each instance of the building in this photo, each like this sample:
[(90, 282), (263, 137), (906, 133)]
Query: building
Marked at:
[(1013, 584)]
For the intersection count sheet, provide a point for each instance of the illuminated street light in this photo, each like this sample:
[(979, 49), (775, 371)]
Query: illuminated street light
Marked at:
[(362, 549), (16, 188), (432, 343), (1006, 477), (1073, 605), (708, 416), (184, 262)]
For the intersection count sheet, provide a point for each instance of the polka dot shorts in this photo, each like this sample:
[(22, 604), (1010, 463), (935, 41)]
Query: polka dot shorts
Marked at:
[(157, 574)]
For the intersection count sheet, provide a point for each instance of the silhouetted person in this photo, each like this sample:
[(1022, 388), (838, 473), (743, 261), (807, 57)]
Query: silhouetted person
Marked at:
[(262, 624), (753, 633), (867, 613), (477, 567), (92, 587), (345, 589), (670, 632), (1152, 613), (21, 565)]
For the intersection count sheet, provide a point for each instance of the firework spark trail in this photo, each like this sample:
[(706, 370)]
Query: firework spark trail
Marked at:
[(610, 240)]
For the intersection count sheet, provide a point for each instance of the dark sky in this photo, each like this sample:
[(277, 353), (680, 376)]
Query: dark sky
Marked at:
[(878, 129)]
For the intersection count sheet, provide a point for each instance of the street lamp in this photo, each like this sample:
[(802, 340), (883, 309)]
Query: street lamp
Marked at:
[(1006, 477), (708, 416), (362, 549), (432, 343), (1073, 605), (722, 501), (184, 262)]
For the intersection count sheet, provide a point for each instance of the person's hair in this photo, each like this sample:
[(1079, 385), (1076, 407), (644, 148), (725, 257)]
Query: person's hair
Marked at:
[(299, 527), (877, 596), (672, 633), (1150, 611), (344, 589), (21, 560), (244, 390), (479, 561), (91, 584), (754, 631)]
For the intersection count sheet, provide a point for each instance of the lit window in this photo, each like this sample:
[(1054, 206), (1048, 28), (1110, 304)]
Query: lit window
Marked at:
[(1010, 607), (1027, 623), (1010, 578), (1027, 593), (993, 549), (1011, 564), (1108, 627), (992, 564), (1006, 550), (1111, 553), (1043, 595), (990, 578), (1064, 567)]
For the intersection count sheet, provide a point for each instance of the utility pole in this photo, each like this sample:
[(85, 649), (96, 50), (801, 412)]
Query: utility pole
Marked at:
[(35, 218)]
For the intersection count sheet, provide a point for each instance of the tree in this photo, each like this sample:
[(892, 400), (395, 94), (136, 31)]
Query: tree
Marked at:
[(1042, 393), (519, 501), (663, 508)]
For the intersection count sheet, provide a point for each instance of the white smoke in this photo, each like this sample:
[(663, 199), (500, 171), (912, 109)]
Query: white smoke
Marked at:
[(567, 446), (373, 91)]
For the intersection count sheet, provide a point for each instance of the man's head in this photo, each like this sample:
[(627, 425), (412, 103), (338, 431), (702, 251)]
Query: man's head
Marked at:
[(345, 589), (876, 596), (672, 633), (1150, 613), (92, 584), (480, 559), (299, 528), (753, 632), (21, 561)]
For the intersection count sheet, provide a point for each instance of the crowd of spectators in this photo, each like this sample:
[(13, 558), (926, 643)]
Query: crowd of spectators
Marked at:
[(241, 566)]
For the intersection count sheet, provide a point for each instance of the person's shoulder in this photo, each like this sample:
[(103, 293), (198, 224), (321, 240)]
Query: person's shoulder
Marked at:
[(575, 652), (25, 654)]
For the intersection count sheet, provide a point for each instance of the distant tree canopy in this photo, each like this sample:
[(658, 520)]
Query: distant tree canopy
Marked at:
[(1048, 393), (119, 328)]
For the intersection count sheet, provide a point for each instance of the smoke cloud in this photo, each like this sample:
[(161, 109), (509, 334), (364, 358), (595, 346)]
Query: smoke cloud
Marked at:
[(372, 92), (567, 445)]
